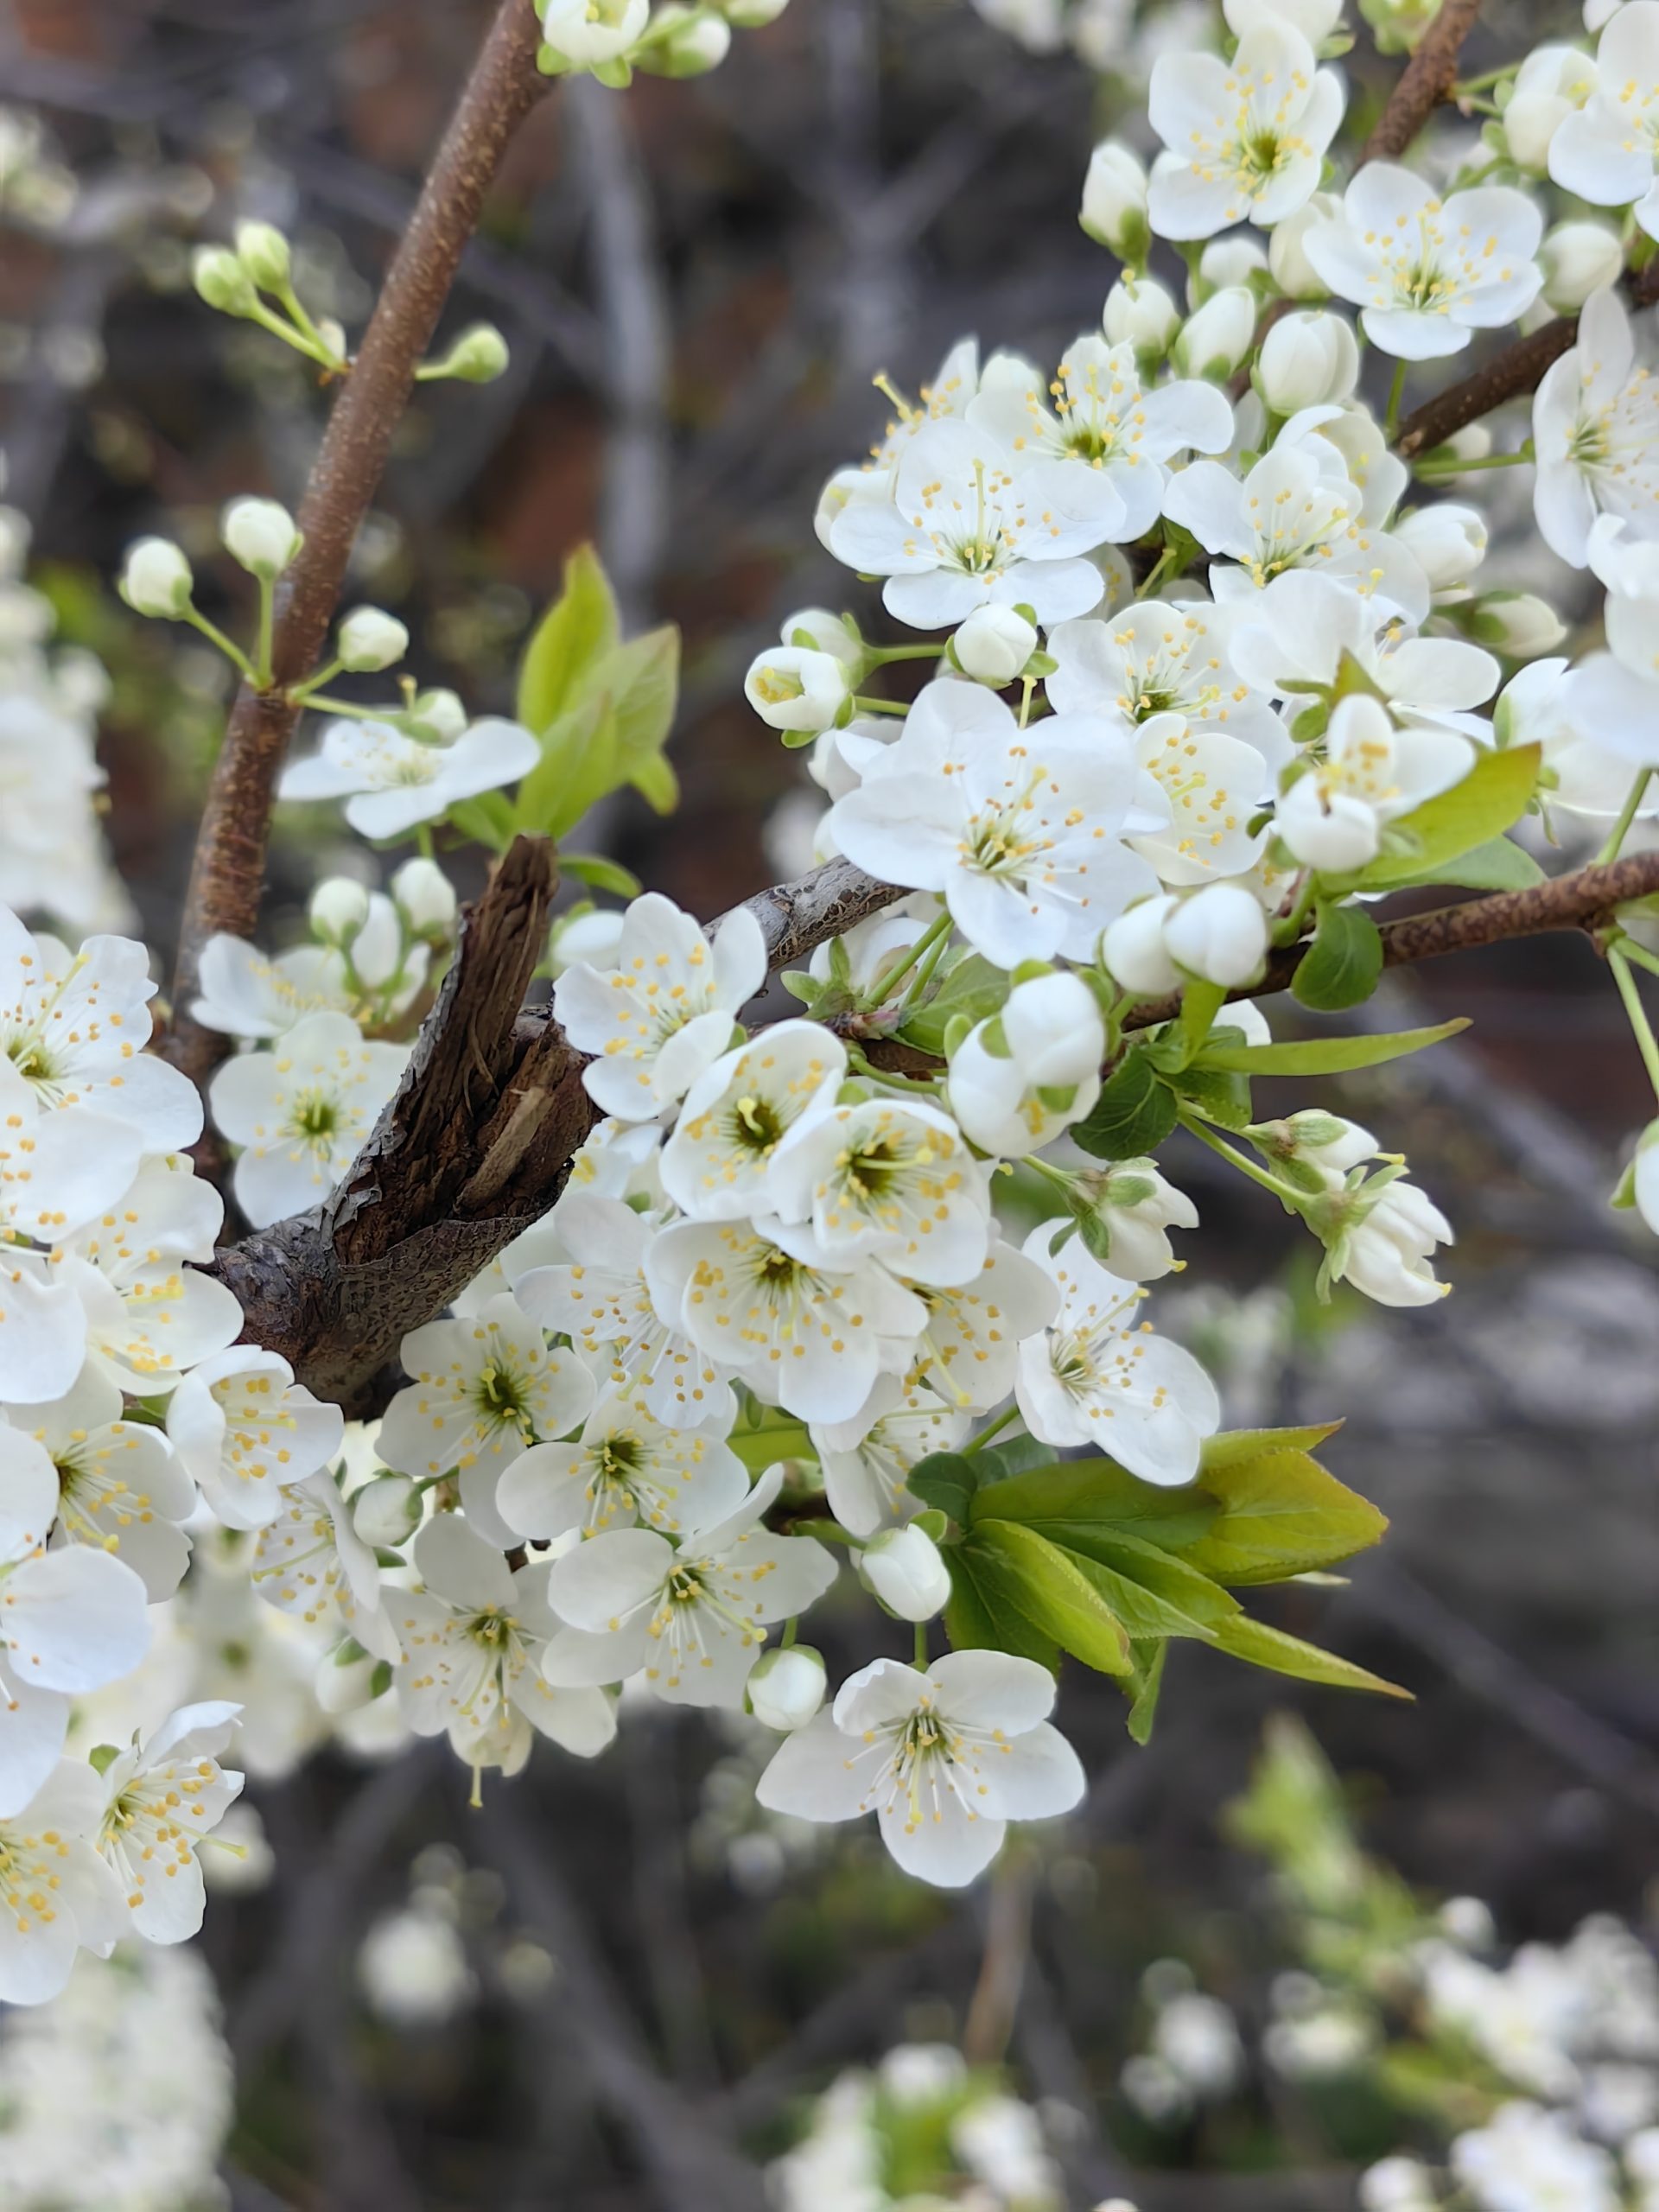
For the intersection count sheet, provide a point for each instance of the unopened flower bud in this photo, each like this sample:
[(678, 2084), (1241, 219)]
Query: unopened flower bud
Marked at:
[(1292, 270), (477, 356), (1397, 25), (1577, 259), (156, 579), (1220, 934), (823, 632), (1141, 313), (753, 15), (263, 252), (797, 688), (1308, 359), (1213, 342), (1135, 952), (786, 1687), (345, 1680), (994, 644), (905, 1569), (220, 279), (1223, 263), (589, 936), (686, 41), (386, 1512), (425, 898), (1553, 83), (438, 716), (377, 950), (1113, 210), (1448, 540), (370, 638), (260, 534), (1518, 623), (1133, 1209), (339, 908)]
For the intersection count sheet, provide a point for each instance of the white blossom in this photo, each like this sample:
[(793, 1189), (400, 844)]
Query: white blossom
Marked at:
[(56, 1894), (971, 1337), (245, 1430), (1604, 152), (888, 1179), (121, 1487), (945, 1759), (392, 782), (865, 1458), (302, 1111), (315, 1562), (1369, 772), (163, 1796), (1245, 138), (1020, 1078), (1595, 428), (1553, 83), (244, 995), (718, 1162), (625, 1470)]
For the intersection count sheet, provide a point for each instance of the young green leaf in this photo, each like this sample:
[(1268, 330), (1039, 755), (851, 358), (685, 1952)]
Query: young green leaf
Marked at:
[(946, 1480), (1049, 1589), (1491, 796), (1343, 963), (981, 1616), (1326, 1055), (1133, 1115), (1144, 1687), (604, 875), (1262, 1646), (1498, 865), (1095, 1493), (576, 633), (1282, 1513), (972, 988)]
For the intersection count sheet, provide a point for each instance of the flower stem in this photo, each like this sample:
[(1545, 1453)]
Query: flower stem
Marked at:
[(217, 637), (1431, 469), (881, 992), (267, 622), (866, 705), (1283, 1192), (1008, 1414), (1287, 931), (1640, 1027), (883, 654), (921, 1646), (1396, 394), (1621, 828)]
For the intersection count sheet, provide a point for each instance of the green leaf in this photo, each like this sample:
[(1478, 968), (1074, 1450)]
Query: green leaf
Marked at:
[(604, 875), (1133, 1115), (1494, 794), (1053, 1593), (657, 784), (1327, 1055), (1342, 965), (488, 820), (1145, 1685), (972, 988), (578, 765), (1262, 1646), (1498, 865), (981, 1615), (643, 679), (947, 1479), (1156, 1594), (577, 631), (1218, 1094), (1200, 1003), (1282, 1513), (1080, 1494)]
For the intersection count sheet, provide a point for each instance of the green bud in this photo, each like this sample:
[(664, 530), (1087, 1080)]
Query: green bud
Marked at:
[(263, 252), (222, 281)]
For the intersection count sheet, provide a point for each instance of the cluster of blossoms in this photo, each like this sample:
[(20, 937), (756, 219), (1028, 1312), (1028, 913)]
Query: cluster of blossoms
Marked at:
[(921, 2131), (1555, 2046)]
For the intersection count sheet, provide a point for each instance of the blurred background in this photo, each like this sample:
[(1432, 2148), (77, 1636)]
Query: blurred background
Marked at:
[(618, 1986)]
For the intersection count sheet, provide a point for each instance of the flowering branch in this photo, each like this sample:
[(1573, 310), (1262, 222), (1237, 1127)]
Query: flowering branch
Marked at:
[(228, 871), (1424, 82)]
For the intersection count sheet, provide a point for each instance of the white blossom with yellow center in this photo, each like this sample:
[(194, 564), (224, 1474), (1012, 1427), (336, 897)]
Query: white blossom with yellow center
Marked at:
[(1244, 139), (247, 1430), (163, 1798)]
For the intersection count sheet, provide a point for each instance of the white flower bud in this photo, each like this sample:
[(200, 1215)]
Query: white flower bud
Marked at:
[(753, 15), (339, 908), (1114, 211), (1054, 1028), (1141, 313), (1215, 340), (1135, 950), (795, 688), (994, 644), (1469, 1923), (1315, 19), (1136, 1208), (1518, 623), (263, 252), (1220, 934), (370, 638), (386, 1512), (1292, 270), (332, 335), (425, 898), (345, 1680), (220, 279), (1472, 442), (1448, 540), (823, 632), (156, 579), (376, 950), (905, 1569), (1308, 359), (786, 1687), (687, 41), (260, 534), (590, 939), (1398, 2185), (439, 716), (1551, 84), (590, 31), (1577, 259), (1224, 262)]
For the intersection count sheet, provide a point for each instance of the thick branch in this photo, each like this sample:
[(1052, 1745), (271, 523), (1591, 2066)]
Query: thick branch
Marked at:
[(796, 917), (228, 871), (1518, 370), (1424, 82)]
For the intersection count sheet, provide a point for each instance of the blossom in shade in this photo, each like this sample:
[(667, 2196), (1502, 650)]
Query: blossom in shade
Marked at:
[(245, 1430), (163, 1796)]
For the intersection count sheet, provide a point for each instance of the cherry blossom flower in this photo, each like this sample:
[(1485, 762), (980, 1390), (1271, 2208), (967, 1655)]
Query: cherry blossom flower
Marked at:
[(247, 1430), (302, 1111), (122, 1487), (245, 994), (945, 1759), (889, 1179), (718, 1162), (474, 1637), (163, 1796), (1156, 658), (805, 1332), (1245, 138), (1100, 1379), (485, 1389), (665, 1011), (969, 1346), (1019, 830), (970, 522), (1031, 1071), (1367, 774), (1595, 430), (691, 1619), (1426, 273), (74, 1025), (311, 1562), (1606, 151), (866, 1459), (1097, 414), (946, 397), (392, 782), (624, 1471), (57, 1896)]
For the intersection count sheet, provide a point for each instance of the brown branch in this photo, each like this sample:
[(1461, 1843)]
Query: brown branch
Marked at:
[(228, 871), (1424, 82), (796, 917), (1518, 370)]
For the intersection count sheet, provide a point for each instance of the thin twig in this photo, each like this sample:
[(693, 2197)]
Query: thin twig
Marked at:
[(1424, 82), (228, 871)]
